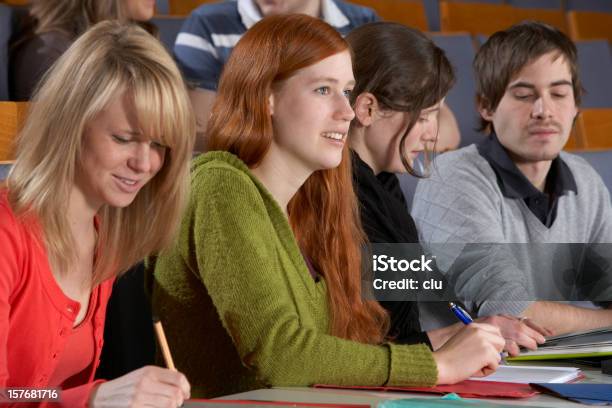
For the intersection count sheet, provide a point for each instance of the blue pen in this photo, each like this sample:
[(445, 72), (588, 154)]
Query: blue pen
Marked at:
[(467, 319), (461, 314)]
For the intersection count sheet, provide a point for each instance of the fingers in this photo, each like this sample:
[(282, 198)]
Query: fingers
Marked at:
[(493, 335), (540, 329), (173, 378), (487, 328), (512, 348), (521, 330), (163, 394)]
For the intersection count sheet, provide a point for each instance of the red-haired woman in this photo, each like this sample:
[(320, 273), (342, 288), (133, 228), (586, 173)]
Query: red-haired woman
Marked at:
[(263, 287)]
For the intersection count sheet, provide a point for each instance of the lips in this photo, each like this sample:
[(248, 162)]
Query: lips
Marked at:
[(334, 135), (543, 132), (127, 184), (415, 153)]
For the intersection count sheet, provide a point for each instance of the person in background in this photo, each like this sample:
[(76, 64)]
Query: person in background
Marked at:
[(99, 182), (53, 25), (402, 78), (518, 186), (210, 33), (263, 287)]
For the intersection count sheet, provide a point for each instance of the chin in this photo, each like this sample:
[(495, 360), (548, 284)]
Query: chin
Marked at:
[(119, 202), (331, 163), (541, 156)]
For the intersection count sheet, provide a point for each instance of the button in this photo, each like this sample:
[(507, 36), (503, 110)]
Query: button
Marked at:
[(54, 356), (70, 309)]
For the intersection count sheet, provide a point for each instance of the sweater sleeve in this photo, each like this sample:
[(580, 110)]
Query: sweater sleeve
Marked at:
[(595, 279), (458, 216), (245, 277)]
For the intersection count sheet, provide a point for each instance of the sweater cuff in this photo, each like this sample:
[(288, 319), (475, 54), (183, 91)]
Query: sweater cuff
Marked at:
[(412, 365)]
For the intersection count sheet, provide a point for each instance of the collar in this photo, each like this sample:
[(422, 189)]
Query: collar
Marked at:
[(513, 182), (331, 14)]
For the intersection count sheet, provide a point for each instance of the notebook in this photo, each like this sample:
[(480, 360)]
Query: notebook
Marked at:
[(592, 343), (532, 374)]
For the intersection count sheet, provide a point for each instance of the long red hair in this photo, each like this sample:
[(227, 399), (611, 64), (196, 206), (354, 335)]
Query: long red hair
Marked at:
[(324, 212)]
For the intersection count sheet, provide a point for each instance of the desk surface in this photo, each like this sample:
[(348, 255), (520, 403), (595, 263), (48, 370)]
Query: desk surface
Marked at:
[(304, 394)]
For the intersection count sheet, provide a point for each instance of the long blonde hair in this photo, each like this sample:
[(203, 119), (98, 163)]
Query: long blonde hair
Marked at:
[(109, 60)]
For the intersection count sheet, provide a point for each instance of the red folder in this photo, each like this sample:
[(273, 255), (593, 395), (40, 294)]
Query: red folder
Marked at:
[(275, 403), (466, 389)]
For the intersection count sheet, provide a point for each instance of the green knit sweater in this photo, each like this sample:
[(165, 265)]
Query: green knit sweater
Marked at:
[(241, 310)]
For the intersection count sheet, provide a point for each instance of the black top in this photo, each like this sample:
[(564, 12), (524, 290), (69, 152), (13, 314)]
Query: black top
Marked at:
[(31, 59), (514, 184), (386, 219)]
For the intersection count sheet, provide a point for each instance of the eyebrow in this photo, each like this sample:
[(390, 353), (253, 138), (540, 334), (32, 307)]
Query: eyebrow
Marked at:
[(330, 79), (128, 131), (429, 110), (532, 86)]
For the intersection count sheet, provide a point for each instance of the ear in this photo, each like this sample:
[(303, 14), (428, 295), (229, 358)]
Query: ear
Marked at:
[(271, 103), (486, 114), (365, 107)]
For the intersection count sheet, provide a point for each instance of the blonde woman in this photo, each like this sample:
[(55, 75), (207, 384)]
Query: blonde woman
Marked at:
[(53, 25), (99, 183)]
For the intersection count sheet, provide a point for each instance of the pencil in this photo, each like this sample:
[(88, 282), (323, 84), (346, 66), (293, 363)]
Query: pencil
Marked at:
[(163, 343)]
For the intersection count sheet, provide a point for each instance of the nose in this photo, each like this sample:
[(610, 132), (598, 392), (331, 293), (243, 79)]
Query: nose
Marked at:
[(541, 108), (427, 132), (140, 159), (344, 111), (430, 132)]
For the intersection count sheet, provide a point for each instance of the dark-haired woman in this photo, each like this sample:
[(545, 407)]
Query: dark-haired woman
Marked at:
[(402, 78)]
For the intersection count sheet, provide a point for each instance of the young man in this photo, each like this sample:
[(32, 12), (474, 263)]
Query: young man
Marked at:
[(212, 30), (516, 186)]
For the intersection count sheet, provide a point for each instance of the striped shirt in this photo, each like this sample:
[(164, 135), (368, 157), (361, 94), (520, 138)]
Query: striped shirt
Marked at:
[(212, 30)]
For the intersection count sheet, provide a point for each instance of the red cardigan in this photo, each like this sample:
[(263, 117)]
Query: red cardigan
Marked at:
[(35, 315)]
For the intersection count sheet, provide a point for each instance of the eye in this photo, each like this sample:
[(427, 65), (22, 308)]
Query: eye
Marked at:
[(120, 139), (523, 97), (423, 119), (348, 92), (324, 90), (158, 145), (558, 95)]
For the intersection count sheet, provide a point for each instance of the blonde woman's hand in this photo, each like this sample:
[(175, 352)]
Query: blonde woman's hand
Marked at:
[(148, 386), (472, 351)]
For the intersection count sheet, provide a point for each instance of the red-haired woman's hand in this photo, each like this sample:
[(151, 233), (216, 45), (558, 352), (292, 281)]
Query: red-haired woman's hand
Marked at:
[(473, 351), (148, 386)]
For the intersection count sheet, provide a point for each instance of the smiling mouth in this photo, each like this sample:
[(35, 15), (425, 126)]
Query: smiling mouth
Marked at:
[(127, 181), (334, 135)]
